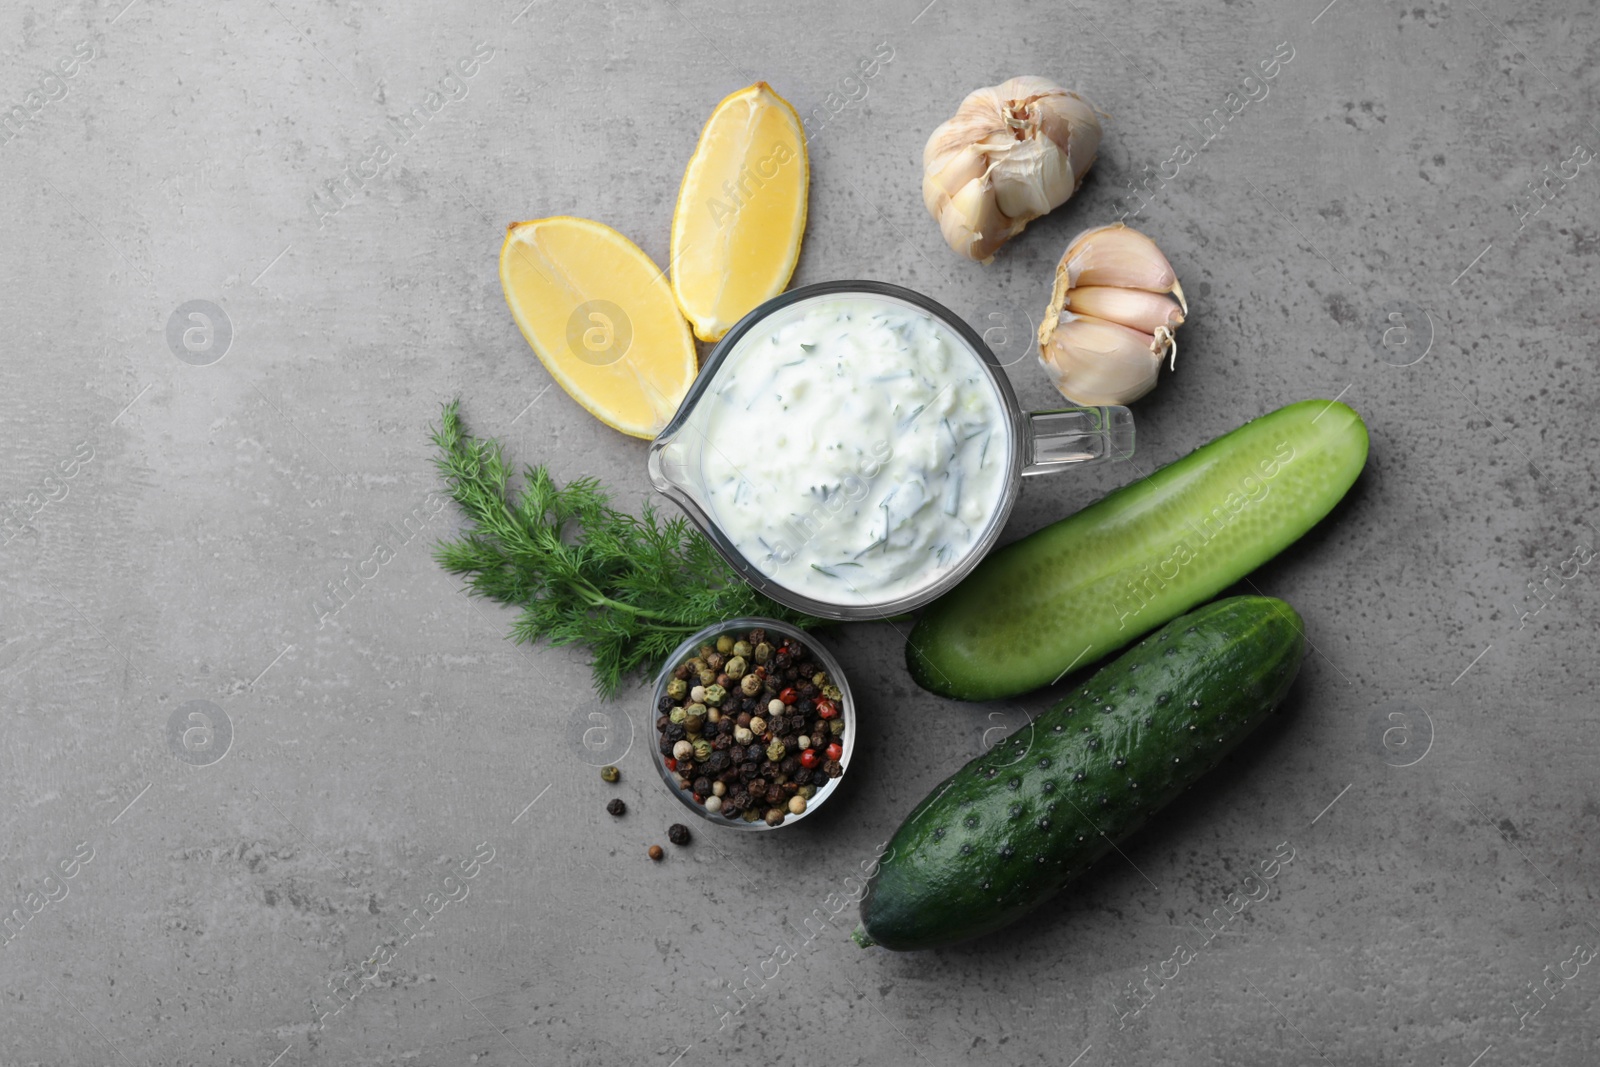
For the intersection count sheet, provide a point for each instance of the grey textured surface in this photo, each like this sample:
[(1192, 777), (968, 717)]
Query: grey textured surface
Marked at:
[(172, 528)]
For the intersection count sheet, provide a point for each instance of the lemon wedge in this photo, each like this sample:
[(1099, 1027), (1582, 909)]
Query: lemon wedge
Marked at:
[(601, 318), (741, 210)]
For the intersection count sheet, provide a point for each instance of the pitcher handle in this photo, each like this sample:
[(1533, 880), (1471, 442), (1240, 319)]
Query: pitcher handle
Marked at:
[(1077, 435)]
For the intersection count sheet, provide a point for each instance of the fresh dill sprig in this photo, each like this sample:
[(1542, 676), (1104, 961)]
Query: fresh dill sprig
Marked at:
[(627, 588)]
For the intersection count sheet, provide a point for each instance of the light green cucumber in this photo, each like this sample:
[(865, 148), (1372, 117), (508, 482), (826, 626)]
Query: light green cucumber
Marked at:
[(1074, 591), (1007, 831)]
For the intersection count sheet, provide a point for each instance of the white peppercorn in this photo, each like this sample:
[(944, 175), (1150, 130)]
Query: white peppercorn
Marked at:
[(714, 803), (682, 750)]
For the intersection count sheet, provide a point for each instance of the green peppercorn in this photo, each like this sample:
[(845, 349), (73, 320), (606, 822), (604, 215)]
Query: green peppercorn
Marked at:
[(742, 649), (609, 774), (807, 791), (836, 727), (677, 689), (715, 693), (677, 715), (735, 667), (694, 723), (706, 650), (708, 677), (832, 692), (751, 815), (819, 679), (763, 652), (776, 751), (725, 644), (702, 749), (695, 709), (696, 665)]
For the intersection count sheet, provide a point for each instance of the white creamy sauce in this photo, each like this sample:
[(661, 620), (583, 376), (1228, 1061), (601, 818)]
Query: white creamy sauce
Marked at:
[(855, 449)]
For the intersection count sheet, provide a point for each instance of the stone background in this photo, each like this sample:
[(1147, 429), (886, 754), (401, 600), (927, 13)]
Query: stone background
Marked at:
[(1366, 230)]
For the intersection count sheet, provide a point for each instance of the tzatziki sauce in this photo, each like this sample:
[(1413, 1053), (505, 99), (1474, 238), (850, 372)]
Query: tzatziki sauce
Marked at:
[(855, 449)]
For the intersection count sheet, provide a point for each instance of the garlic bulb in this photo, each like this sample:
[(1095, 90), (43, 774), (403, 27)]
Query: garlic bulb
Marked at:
[(1111, 319), (1011, 153)]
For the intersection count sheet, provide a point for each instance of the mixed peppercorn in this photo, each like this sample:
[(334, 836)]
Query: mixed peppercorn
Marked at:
[(751, 728)]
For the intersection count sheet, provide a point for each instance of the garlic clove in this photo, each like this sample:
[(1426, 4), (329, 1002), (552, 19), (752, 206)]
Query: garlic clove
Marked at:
[(1031, 179), (946, 170), (1117, 255), (1134, 308), (1071, 124), (1093, 362), (972, 222)]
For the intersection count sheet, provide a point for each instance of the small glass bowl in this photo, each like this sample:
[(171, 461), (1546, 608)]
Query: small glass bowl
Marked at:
[(817, 651)]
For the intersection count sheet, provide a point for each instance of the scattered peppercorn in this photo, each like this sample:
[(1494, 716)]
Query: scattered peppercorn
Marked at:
[(656, 853), (617, 807), (678, 834), (609, 774)]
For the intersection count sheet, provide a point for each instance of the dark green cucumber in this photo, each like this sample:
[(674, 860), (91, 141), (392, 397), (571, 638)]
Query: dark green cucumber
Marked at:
[(1091, 583), (1003, 834)]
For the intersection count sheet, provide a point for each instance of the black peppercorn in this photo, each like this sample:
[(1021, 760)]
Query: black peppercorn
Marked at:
[(661, 722), (740, 801), (674, 731), (782, 659), (747, 772), (755, 754), (834, 768), (806, 688), (678, 834), (617, 807), (758, 635), (665, 704), (681, 672), (796, 649), (666, 746), (702, 785), (789, 766), (722, 742), (769, 770), (758, 787), (802, 776)]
